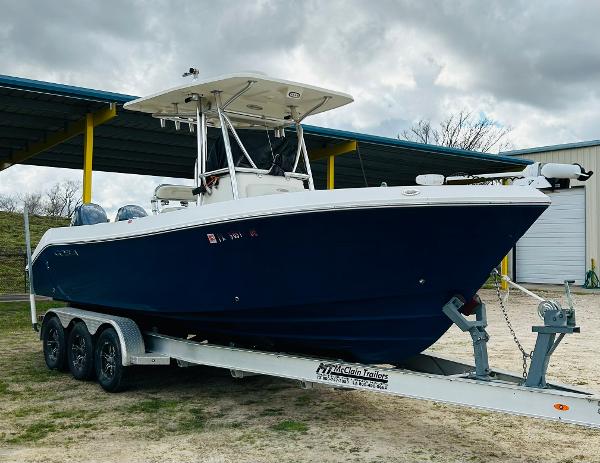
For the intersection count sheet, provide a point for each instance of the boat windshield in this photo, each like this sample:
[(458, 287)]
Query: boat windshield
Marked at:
[(277, 155)]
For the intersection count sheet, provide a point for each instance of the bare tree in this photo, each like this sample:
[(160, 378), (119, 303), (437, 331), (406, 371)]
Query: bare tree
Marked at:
[(72, 196), (54, 206), (9, 203), (62, 199), (461, 130), (33, 202)]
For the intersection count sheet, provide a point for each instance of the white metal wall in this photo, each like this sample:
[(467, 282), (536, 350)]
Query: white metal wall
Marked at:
[(553, 249), (589, 158)]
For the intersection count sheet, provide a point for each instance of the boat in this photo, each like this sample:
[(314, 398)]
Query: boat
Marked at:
[(253, 255)]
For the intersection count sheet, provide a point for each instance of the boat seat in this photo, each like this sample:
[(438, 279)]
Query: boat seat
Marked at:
[(88, 214), (129, 212), (175, 193), (171, 209)]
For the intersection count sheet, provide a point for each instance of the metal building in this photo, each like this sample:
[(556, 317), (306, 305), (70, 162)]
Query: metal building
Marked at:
[(565, 239)]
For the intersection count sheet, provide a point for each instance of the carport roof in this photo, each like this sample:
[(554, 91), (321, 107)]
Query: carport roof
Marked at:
[(545, 149), (31, 111)]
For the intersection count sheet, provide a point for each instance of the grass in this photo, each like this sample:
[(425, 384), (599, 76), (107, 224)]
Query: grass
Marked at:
[(290, 426), (75, 414), (27, 411), (12, 239), (303, 400), (272, 412), (42, 404), (34, 432), (15, 316), (153, 405), (12, 231), (194, 422)]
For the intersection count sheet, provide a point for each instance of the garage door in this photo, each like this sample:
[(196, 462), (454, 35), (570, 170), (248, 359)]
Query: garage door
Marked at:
[(553, 249)]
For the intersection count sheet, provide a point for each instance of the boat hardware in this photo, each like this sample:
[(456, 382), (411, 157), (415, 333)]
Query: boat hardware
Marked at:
[(314, 108), (239, 142), (525, 355), (238, 94), (477, 331), (557, 321), (226, 143), (302, 146), (191, 72)]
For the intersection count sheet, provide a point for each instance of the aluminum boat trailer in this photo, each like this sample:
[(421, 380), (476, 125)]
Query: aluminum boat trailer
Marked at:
[(118, 343)]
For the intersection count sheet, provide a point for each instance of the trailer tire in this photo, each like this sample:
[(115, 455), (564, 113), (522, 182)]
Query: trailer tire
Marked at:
[(54, 345), (109, 368), (80, 352)]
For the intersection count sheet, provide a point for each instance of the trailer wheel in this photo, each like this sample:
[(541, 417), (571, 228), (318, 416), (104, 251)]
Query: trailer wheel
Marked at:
[(109, 368), (53, 339), (80, 352)]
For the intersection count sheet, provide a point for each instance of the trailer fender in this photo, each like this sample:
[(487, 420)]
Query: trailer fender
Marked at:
[(130, 337)]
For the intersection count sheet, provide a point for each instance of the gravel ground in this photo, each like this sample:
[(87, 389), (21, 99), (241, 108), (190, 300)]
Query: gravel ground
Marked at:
[(204, 415)]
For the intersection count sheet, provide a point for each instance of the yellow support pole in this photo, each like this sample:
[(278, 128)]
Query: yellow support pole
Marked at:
[(88, 154), (331, 172), (504, 263), (503, 272)]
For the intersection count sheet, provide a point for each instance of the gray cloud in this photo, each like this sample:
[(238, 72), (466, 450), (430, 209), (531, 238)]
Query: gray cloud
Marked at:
[(532, 65)]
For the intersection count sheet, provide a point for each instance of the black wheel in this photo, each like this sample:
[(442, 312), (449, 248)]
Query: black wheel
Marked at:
[(109, 369), (53, 339), (80, 352)]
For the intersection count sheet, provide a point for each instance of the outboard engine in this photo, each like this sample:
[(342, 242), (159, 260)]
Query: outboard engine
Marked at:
[(88, 214), (131, 211)]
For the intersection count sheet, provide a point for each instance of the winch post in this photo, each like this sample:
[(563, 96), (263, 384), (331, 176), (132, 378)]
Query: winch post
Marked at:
[(477, 331), (557, 321)]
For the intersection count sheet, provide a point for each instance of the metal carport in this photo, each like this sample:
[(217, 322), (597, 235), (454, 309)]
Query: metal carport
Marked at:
[(48, 124)]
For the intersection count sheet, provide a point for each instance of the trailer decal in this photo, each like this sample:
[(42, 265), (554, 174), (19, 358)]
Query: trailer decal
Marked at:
[(349, 375)]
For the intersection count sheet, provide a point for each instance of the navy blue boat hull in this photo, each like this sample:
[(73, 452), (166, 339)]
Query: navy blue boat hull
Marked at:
[(365, 284)]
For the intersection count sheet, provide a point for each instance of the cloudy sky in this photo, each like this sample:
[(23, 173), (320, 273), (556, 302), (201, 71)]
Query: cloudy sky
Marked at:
[(530, 65)]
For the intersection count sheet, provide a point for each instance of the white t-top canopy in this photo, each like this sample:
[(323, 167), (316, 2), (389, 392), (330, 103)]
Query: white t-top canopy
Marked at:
[(267, 97)]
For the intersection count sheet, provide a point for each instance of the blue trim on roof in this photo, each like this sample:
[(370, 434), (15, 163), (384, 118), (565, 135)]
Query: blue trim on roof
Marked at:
[(397, 143), (61, 89), (542, 149)]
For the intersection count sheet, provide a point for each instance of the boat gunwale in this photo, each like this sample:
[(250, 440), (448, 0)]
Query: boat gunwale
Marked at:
[(258, 216)]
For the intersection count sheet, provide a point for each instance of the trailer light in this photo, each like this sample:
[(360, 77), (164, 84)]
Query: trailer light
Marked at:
[(561, 407)]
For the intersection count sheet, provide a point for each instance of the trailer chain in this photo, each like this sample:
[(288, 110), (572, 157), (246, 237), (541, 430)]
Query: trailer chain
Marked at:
[(509, 324)]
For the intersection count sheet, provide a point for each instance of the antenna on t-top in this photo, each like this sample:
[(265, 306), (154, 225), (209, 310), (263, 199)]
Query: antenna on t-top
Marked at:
[(191, 72)]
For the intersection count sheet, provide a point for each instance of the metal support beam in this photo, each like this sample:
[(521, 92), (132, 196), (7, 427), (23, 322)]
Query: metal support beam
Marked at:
[(331, 172), (88, 154), (72, 130), (336, 150)]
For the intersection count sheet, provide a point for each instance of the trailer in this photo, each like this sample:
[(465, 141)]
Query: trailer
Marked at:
[(92, 344)]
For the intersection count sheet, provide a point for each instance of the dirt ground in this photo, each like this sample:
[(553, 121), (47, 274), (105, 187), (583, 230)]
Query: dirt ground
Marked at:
[(204, 415)]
